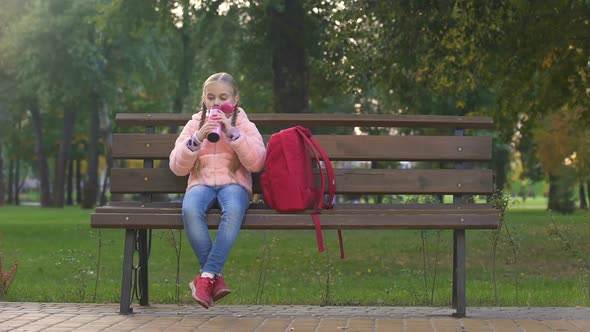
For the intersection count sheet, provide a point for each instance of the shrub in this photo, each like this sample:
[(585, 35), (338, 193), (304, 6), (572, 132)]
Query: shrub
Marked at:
[(6, 277)]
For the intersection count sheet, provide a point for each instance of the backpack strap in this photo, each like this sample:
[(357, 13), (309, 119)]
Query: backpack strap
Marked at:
[(329, 171), (313, 144), (313, 147), (315, 216), (318, 231)]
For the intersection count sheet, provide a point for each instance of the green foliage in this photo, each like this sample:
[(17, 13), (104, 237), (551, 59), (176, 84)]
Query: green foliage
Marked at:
[(264, 261), (502, 201), (140, 43), (576, 245), (175, 242), (503, 59), (79, 271)]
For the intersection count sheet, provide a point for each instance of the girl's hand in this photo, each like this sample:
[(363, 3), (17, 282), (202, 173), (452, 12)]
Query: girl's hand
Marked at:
[(205, 129), (220, 117)]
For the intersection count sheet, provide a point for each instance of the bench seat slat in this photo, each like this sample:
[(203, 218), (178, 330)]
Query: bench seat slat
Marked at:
[(321, 120), (430, 220), (338, 147), (348, 181)]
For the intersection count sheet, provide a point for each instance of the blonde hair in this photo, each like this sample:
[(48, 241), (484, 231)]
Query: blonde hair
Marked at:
[(227, 79)]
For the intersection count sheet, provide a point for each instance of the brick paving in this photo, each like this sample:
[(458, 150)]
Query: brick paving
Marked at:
[(16, 316)]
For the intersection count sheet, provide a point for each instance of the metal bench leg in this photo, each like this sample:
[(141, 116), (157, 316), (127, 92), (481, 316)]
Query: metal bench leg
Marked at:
[(127, 272), (459, 273), (143, 268)]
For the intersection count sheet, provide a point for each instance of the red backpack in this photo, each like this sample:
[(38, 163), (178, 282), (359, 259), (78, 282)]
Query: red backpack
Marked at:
[(288, 182)]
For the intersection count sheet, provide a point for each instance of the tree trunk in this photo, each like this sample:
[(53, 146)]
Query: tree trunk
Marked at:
[(2, 187), (500, 179), (79, 193), (63, 157), (500, 165), (107, 136), (552, 203), (41, 157), (10, 198), (69, 185), (583, 202), (103, 191), (289, 61), (117, 197), (562, 191), (91, 179), (17, 184)]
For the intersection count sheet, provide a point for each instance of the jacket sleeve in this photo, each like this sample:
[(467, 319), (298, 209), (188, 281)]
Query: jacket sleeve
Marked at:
[(250, 147), (182, 159)]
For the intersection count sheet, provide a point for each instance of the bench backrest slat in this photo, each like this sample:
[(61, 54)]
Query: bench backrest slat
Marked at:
[(338, 147), (348, 181), (321, 120)]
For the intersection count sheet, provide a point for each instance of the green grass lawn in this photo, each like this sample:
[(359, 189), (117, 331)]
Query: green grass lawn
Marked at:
[(57, 254)]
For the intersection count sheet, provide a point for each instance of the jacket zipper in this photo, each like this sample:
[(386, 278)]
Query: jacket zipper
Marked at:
[(215, 164)]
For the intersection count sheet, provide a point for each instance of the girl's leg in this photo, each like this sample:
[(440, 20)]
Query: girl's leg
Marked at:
[(234, 201), (197, 201)]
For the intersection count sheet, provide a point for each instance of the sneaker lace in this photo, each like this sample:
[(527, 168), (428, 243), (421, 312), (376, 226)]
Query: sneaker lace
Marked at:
[(209, 282)]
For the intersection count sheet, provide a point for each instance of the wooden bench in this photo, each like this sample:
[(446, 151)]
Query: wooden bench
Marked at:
[(446, 145)]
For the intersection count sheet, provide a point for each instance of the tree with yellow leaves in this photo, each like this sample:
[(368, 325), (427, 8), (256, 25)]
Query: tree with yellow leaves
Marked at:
[(564, 152)]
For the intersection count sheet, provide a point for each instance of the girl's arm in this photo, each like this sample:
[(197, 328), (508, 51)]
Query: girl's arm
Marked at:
[(186, 150), (249, 146)]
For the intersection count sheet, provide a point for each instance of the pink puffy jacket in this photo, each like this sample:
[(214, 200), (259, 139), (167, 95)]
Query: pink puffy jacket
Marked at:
[(223, 162)]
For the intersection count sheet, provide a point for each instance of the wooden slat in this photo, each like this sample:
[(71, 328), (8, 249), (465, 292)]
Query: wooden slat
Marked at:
[(297, 221), (390, 209), (338, 206), (321, 120), (353, 181), (338, 147)]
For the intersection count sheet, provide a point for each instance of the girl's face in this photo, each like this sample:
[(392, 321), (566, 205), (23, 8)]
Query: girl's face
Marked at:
[(217, 93)]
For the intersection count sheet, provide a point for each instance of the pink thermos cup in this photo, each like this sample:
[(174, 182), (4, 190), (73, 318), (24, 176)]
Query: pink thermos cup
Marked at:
[(214, 134)]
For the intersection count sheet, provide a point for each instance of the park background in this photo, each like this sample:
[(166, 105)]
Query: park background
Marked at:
[(67, 67)]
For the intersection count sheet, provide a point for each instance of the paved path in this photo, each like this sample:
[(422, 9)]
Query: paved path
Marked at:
[(104, 317)]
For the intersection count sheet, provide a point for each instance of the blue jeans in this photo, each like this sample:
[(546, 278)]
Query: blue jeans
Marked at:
[(234, 201)]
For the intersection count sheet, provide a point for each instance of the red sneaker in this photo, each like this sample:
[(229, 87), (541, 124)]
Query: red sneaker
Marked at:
[(219, 289), (201, 289)]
